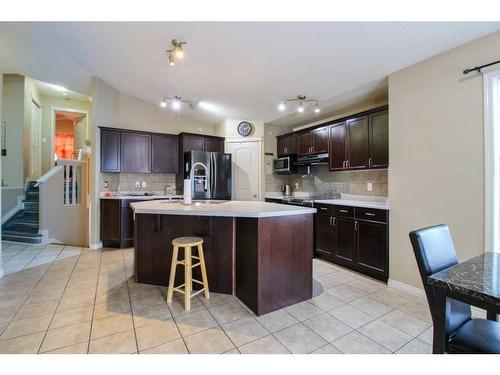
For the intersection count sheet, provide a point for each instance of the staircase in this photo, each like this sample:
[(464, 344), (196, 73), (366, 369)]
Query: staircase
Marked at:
[(23, 226)]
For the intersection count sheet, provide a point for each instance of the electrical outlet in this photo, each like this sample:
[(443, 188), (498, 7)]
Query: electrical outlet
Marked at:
[(143, 184), (296, 185), (105, 184), (137, 184), (369, 186)]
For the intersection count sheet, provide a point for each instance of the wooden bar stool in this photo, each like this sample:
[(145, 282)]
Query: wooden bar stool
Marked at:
[(187, 243)]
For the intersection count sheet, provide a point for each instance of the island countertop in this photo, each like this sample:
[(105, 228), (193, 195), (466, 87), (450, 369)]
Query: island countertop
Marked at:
[(255, 209)]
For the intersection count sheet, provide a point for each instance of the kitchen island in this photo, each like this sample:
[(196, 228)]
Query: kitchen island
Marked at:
[(260, 252)]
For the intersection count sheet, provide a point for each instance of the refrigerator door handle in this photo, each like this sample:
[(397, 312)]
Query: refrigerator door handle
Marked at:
[(214, 192)]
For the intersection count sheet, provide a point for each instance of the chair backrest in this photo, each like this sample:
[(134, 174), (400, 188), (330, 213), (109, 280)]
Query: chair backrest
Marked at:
[(434, 251)]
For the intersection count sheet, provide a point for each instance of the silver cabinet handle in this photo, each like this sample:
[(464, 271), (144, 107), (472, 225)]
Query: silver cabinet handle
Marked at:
[(343, 164), (334, 221), (331, 220), (343, 211), (369, 214), (348, 164), (369, 162), (323, 208), (356, 226)]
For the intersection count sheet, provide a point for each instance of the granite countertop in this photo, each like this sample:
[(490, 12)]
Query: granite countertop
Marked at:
[(380, 203), (255, 209), (130, 196), (478, 277)]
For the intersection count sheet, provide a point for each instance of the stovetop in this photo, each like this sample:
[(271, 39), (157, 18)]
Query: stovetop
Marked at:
[(308, 202)]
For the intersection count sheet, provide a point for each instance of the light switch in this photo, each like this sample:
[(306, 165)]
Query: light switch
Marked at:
[(143, 184)]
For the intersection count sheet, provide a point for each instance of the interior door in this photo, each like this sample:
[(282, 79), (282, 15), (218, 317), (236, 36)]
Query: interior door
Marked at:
[(246, 170), (80, 133), (35, 141)]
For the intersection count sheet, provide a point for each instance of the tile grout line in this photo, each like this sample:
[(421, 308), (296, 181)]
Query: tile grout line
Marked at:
[(129, 301), (95, 298), (58, 303)]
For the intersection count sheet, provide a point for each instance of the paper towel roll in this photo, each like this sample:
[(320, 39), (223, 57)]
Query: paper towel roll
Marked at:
[(187, 191)]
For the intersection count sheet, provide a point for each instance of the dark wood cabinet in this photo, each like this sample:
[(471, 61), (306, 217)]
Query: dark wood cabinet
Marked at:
[(117, 223), (135, 152), (337, 149), (353, 237), (357, 143), (379, 140), (196, 142), (164, 153), (192, 142), (214, 144), (287, 144), (313, 142), (110, 150), (372, 246)]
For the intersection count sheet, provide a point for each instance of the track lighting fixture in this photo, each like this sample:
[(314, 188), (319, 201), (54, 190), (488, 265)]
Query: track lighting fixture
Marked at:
[(177, 51), (176, 102), (300, 107)]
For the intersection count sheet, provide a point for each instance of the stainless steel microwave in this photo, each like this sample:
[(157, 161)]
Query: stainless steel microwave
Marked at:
[(284, 165)]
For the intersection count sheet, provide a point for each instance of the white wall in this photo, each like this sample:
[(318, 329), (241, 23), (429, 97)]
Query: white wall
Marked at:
[(436, 172), (13, 115), (1, 162)]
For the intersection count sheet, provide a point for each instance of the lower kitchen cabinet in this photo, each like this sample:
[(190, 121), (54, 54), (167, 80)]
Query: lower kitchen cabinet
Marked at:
[(353, 237), (117, 223)]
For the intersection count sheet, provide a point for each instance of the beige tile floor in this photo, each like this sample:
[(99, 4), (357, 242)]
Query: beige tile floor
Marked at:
[(62, 299)]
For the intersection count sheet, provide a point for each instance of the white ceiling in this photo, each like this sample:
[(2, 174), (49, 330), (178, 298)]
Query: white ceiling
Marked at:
[(59, 91), (241, 70)]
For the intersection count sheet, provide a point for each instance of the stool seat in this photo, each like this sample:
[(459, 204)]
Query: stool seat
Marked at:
[(187, 241)]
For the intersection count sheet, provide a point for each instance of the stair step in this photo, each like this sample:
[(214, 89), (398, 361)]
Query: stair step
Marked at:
[(31, 205), (32, 196), (20, 226), (12, 236), (9, 232)]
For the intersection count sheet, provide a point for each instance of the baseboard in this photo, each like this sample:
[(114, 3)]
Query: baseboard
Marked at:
[(406, 288), (95, 246)]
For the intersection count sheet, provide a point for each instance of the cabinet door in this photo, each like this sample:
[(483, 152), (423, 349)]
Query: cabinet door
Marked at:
[(164, 153), (110, 151), (110, 220), (292, 144), (282, 145), (357, 143), (193, 143), (135, 152), (345, 239), (304, 144), (337, 154), (319, 140), (214, 144), (372, 246), (324, 234), (127, 223), (379, 140)]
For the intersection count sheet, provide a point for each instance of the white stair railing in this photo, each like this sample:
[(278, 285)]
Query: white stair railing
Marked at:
[(63, 203)]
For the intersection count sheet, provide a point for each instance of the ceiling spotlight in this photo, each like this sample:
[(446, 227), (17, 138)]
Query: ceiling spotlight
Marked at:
[(302, 99), (176, 102), (171, 60), (177, 50)]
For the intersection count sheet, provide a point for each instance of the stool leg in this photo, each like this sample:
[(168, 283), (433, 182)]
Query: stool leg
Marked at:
[(203, 271), (188, 283), (171, 281)]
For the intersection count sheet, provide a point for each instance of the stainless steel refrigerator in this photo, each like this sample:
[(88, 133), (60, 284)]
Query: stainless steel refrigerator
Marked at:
[(210, 174)]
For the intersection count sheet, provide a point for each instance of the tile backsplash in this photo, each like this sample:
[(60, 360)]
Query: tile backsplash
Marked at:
[(322, 181), (126, 181)]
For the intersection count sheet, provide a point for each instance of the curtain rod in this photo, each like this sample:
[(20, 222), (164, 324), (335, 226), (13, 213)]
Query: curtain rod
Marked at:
[(478, 68)]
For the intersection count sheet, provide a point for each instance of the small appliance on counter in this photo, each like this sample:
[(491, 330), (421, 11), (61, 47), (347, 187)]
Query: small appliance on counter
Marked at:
[(209, 174), (284, 165), (287, 190)]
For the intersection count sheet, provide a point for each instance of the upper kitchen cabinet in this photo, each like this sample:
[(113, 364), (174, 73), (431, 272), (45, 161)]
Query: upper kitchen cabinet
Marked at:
[(313, 142), (357, 143), (379, 140), (287, 144), (164, 153), (197, 142), (110, 150), (135, 152), (337, 149)]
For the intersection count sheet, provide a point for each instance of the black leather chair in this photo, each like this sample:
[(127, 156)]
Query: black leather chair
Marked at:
[(434, 251)]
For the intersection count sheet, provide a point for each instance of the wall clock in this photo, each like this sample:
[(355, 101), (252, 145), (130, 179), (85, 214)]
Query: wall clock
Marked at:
[(245, 128)]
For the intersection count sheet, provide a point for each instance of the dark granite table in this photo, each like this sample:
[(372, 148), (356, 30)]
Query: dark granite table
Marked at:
[(475, 281)]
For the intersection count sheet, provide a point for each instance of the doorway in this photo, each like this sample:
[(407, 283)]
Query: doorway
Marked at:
[(35, 130), (246, 156), (70, 133)]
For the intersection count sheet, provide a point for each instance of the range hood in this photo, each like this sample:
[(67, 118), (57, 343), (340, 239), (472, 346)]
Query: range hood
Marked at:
[(319, 159)]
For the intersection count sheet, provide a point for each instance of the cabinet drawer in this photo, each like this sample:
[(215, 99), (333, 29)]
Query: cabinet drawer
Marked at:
[(325, 209), (372, 214), (345, 211)]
